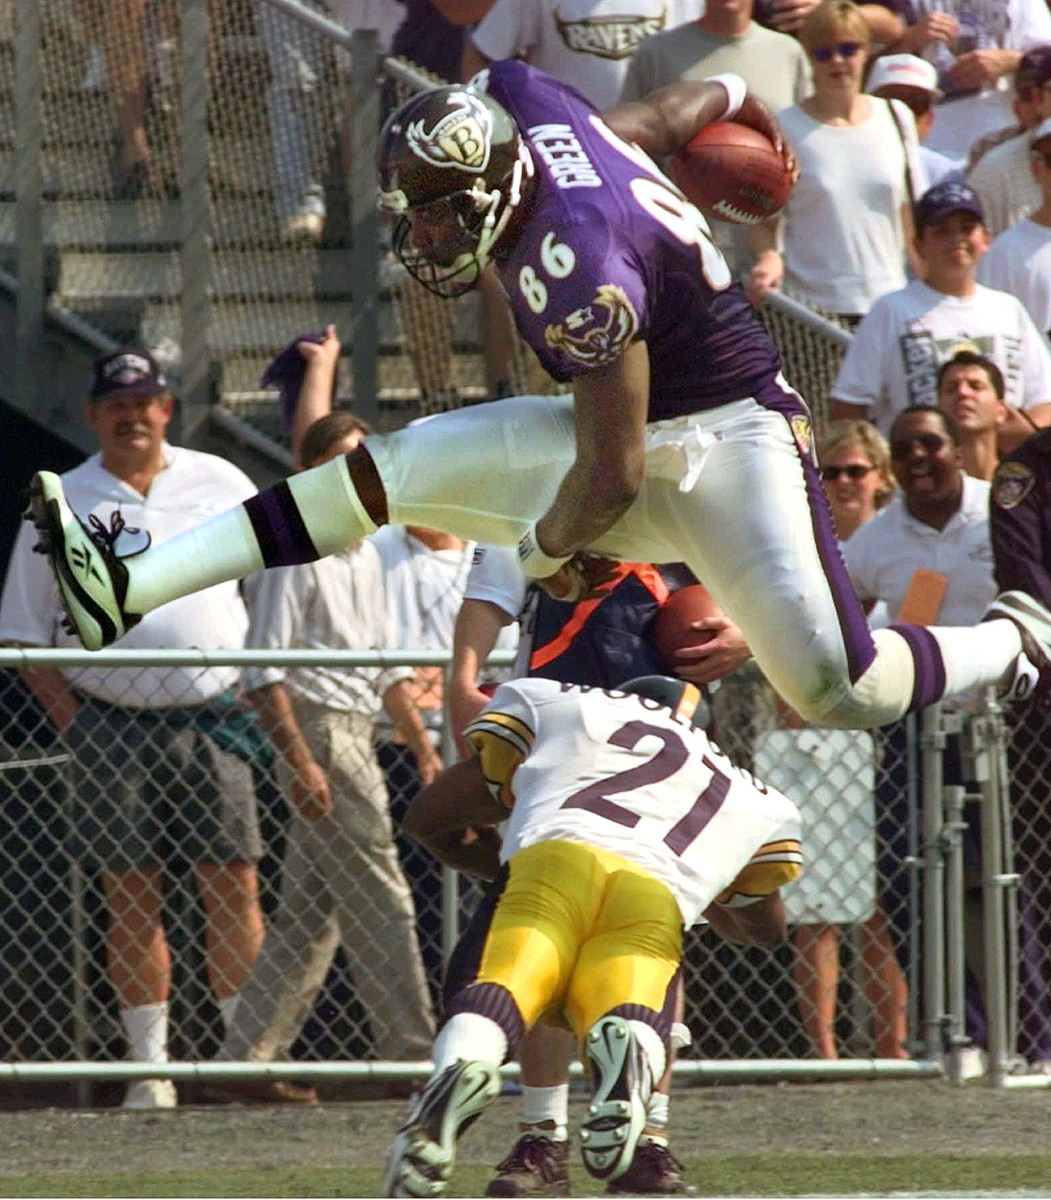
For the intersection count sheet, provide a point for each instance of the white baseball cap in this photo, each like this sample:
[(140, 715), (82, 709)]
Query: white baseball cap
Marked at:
[(903, 70)]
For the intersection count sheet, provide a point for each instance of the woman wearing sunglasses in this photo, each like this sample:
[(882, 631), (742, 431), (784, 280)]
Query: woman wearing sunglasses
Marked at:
[(847, 224)]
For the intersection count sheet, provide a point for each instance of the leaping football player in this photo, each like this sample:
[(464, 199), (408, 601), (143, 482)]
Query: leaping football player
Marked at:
[(625, 826), (682, 440)]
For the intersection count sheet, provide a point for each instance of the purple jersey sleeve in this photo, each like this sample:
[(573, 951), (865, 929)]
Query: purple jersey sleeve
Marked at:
[(610, 251)]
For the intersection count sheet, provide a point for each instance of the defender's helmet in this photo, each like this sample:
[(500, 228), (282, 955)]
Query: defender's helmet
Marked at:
[(452, 166), (684, 699)]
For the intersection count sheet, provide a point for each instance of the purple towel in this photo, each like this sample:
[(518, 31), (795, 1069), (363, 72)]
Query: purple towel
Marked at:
[(287, 372)]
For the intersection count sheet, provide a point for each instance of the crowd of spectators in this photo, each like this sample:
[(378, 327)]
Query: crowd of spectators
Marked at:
[(921, 220)]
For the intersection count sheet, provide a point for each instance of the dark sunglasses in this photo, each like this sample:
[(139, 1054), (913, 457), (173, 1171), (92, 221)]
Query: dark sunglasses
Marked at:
[(931, 442), (824, 54), (853, 471)]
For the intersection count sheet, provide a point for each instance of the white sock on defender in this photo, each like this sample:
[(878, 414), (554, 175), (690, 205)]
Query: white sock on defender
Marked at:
[(541, 1104), (469, 1036), (653, 1048)]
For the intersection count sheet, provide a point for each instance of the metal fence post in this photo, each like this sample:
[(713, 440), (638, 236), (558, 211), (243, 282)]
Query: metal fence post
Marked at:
[(364, 250), (195, 250), (932, 743), (29, 192)]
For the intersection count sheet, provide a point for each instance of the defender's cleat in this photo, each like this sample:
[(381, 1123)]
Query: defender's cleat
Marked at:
[(617, 1113), (536, 1166), (92, 580), (654, 1171), (422, 1153), (1033, 670)]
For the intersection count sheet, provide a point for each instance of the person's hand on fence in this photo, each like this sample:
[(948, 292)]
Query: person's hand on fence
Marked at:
[(765, 276), (311, 793), (708, 661)]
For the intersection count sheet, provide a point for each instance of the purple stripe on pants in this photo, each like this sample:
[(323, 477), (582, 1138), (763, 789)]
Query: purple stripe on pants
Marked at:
[(929, 684)]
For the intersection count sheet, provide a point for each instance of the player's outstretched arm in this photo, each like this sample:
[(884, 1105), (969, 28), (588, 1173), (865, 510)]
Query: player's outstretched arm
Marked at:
[(760, 924), (667, 119)]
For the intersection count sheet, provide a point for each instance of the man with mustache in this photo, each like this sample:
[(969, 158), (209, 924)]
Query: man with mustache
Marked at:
[(152, 763)]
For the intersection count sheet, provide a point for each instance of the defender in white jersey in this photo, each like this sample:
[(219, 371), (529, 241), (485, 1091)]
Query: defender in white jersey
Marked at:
[(625, 825)]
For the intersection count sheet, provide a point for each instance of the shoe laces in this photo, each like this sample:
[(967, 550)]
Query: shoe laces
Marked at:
[(532, 1152), (659, 1154), (105, 540)]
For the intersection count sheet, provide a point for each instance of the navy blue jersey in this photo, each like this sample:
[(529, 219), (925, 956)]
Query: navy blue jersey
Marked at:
[(611, 251)]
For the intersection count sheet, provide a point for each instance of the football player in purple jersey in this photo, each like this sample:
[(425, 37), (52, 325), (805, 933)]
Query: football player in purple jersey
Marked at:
[(681, 440)]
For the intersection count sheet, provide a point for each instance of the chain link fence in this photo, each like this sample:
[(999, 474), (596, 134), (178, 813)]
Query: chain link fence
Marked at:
[(357, 924)]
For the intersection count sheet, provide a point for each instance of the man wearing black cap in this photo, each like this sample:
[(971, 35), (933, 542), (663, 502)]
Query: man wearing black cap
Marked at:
[(149, 744), (1003, 179), (907, 334)]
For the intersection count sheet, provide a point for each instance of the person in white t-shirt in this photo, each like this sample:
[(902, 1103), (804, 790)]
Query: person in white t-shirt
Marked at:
[(586, 921), (1019, 260), (976, 46), (150, 759), (893, 360), (845, 230)]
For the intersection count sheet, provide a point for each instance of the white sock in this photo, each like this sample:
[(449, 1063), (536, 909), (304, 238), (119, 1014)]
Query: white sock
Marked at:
[(147, 1028), (469, 1036), (657, 1116), (226, 547), (978, 656), (653, 1049), (227, 1008), (547, 1104)]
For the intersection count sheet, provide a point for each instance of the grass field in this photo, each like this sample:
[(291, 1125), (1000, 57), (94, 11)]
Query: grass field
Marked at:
[(845, 1139)]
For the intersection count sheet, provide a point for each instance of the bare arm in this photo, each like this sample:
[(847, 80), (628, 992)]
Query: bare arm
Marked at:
[(315, 396), (768, 269), (441, 813), (759, 924), (405, 713), (663, 122), (478, 625), (885, 27), (310, 788), (1020, 425), (49, 686), (840, 410), (610, 406)]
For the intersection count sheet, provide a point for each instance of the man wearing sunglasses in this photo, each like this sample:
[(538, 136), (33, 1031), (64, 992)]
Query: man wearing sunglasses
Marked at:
[(914, 82), (898, 347), (1019, 260)]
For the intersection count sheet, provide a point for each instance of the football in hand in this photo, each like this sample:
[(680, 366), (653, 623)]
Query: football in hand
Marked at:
[(671, 628), (733, 172)]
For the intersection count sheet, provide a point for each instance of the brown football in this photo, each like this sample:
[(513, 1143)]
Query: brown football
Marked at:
[(733, 172), (671, 629)]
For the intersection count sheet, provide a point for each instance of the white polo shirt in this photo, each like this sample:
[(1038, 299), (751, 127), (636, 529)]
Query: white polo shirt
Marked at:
[(884, 554), (192, 488), (897, 349)]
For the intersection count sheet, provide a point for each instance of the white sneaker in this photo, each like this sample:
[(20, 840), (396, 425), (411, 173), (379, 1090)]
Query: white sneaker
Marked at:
[(617, 1113), (151, 1093), (972, 1063), (92, 580), (422, 1153)]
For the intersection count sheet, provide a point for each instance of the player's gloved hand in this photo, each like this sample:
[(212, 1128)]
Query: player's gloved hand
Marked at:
[(584, 576), (754, 113)]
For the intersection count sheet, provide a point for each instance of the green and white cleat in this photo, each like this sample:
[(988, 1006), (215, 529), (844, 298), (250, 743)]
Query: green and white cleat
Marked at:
[(617, 1112)]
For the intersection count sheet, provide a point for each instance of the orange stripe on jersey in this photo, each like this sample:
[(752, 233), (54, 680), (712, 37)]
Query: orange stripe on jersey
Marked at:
[(688, 702), (646, 573)]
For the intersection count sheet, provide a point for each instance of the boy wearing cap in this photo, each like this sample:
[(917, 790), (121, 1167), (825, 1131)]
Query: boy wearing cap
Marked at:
[(1002, 178), (1019, 260), (914, 82), (898, 347), (152, 764)]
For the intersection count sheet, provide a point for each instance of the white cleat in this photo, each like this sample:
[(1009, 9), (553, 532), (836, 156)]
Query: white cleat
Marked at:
[(92, 580), (1033, 669), (617, 1112), (423, 1151), (151, 1093)]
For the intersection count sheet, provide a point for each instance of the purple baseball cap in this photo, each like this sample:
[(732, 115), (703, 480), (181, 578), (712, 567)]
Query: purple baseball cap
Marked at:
[(944, 198)]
